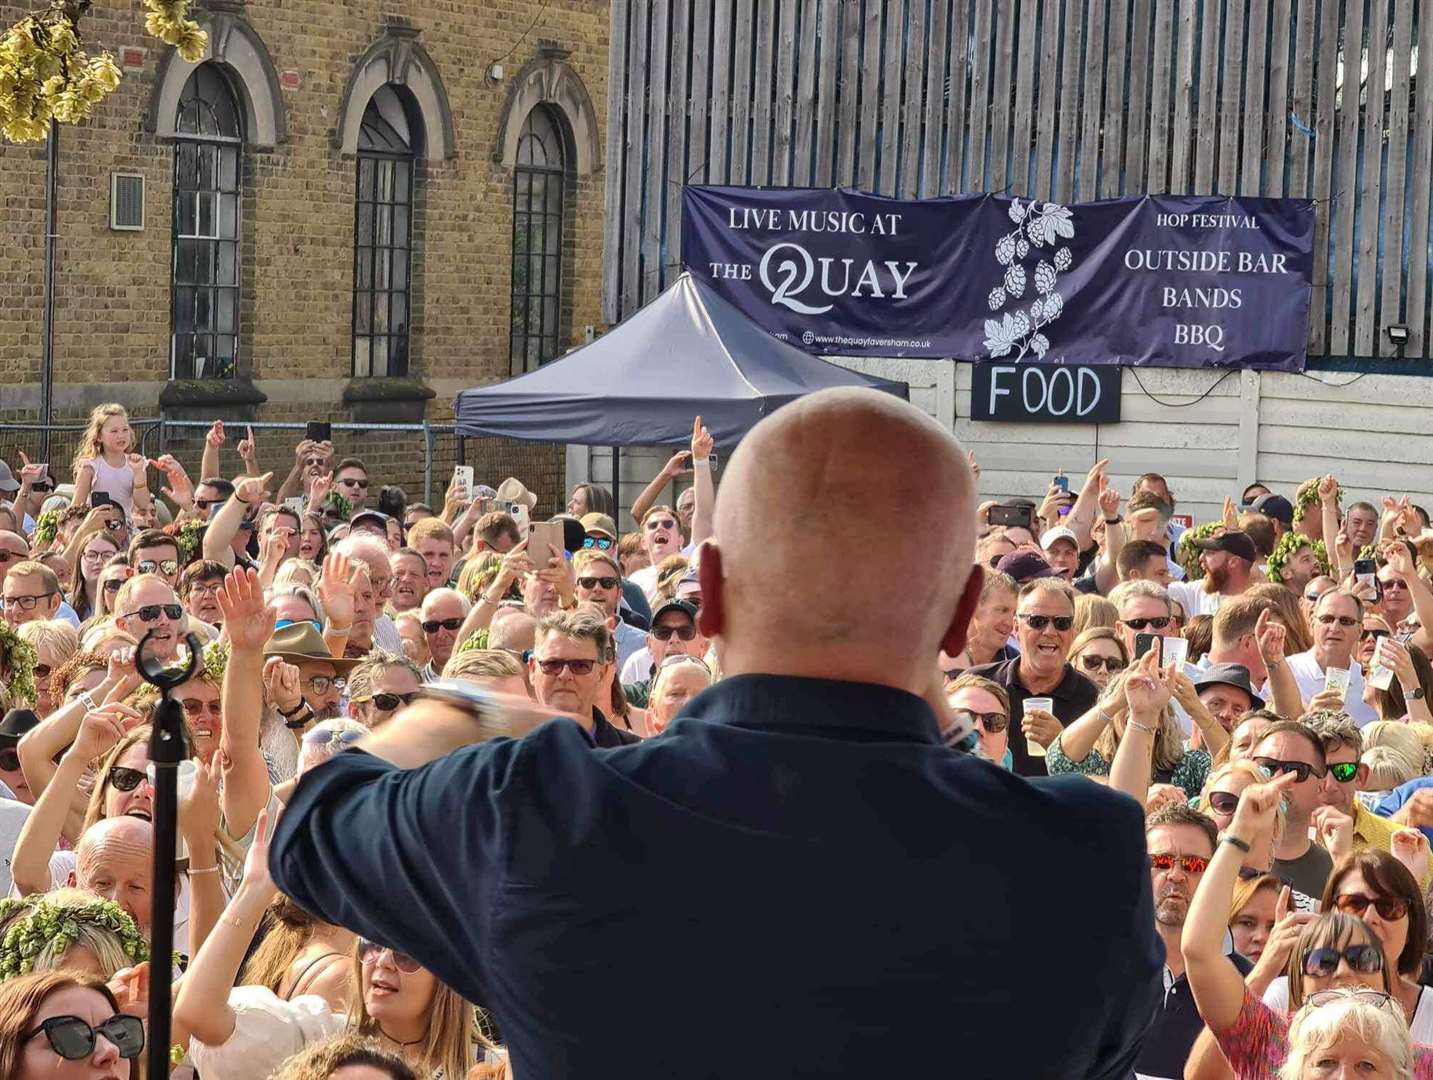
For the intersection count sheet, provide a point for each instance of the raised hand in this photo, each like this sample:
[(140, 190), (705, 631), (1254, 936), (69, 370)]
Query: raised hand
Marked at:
[(1270, 636), (1335, 831), (1410, 847), (181, 488), (1287, 931), (122, 675), (1230, 516), (974, 465), (318, 491), (1095, 478), (199, 806), (130, 987), (1254, 816), (1398, 559), (1161, 795), (1149, 686), (30, 474), (1328, 490), (248, 447), (256, 862), (677, 464), (100, 730), (252, 490), (702, 441), (1109, 503), (248, 619), (215, 435), (335, 589), (281, 684)]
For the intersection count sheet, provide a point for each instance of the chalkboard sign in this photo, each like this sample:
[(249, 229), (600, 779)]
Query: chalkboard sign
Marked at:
[(1045, 393)]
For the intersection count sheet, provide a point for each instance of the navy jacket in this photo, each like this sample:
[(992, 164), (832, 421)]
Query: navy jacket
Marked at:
[(795, 880)]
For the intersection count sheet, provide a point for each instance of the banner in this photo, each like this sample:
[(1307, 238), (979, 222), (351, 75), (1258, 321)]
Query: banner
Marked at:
[(1163, 280)]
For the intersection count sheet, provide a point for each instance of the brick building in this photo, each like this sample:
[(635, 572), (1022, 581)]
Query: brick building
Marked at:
[(351, 211)]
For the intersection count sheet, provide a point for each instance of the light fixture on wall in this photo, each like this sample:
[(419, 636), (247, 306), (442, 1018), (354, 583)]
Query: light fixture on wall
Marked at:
[(1398, 335), (493, 75)]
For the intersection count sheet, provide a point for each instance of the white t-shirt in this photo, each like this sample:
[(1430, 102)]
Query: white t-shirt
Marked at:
[(638, 668), (645, 579), (1194, 599), (12, 819), (1310, 676), (1420, 1031)]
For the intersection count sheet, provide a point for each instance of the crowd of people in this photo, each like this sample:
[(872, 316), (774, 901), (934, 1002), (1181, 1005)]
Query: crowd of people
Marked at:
[(1257, 685)]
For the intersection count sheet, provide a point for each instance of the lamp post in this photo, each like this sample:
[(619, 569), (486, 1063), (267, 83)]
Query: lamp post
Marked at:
[(47, 326)]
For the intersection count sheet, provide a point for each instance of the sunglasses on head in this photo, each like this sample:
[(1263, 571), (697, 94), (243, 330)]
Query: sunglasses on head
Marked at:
[(1321, 963), (1159, 622), (1223, 802), (150, 612), (1095, 663), (1039, 622), (432, 626), (368, 953), (1302, 770), (577, 667), (125, 779), (74, 1040), (664, 633), (601, 543), (386, 702), (149, 566), (595, 582), (1388, 907), (992, 722), (1190, 864)]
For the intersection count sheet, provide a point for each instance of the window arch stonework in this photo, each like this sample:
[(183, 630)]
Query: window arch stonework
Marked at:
[(398, 58), (548, 80)]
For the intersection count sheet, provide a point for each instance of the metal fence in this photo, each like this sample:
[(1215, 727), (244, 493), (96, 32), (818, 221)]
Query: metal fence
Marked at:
[(417, 457)]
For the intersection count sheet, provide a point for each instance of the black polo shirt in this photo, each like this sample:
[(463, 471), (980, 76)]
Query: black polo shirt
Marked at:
[(1176, 1025), (1074, 697)]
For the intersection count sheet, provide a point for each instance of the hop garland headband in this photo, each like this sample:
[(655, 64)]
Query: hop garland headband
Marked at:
[(49, 925), (1308, 495), (47, 528), (1286, 549), (1188, 554), (19, 660)]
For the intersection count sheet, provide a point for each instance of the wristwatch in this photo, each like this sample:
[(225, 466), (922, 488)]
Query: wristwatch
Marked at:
[(1114, 520), (1416, 694)]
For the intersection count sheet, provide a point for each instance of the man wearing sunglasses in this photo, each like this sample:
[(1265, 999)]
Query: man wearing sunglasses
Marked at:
[(1044, 627), (1342, 809), (674, 633), (1338, 624), (443, 613), (569, 666), (599, 581), (985, 707), (1181, 842), (154, 552), (381, 685), (146, 602), (601, 535), (350, 479), (1291, 746)]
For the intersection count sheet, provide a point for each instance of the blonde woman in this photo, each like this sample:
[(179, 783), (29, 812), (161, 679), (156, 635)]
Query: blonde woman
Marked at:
[(1348, 1033), (1093, 611)]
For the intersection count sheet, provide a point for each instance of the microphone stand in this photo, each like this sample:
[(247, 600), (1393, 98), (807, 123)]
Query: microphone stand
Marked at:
[(166, 751)]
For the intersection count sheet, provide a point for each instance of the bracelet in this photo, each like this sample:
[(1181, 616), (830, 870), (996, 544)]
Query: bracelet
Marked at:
[(335, 629), (88, 699), (489, 600), (234, 921), (296, 710), (1234, 841), (1106, 717), (1114, 520), (1132, 722), (203, 870)]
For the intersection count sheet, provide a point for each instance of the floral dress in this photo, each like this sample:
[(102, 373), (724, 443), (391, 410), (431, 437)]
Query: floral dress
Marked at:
[(1188, 773), (1258, 1043)]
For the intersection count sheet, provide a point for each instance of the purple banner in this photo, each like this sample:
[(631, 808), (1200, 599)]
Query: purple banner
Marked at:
[(1162, 280)]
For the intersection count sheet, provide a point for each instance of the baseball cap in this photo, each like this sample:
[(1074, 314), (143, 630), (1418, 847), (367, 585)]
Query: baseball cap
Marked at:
[(1022, 566), (1230, 675), (1060, 532), (15, 724), (372, 517), (674, 605), (1276, 507), (1234, 542), (600, 524)]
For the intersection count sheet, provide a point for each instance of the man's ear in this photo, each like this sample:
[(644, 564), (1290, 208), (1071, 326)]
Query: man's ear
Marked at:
[(711, 616), (954, 641)]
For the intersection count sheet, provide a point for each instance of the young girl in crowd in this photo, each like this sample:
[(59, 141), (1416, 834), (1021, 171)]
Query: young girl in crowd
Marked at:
[(104, 461)]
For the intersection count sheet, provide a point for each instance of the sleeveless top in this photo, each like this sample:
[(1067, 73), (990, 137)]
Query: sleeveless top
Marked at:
[(117, 483)]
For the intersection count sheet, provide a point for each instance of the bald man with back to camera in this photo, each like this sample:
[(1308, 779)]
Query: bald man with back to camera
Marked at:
[(796, 878)]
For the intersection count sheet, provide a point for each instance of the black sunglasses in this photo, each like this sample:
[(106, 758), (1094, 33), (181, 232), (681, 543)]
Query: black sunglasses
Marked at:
[(993, 722), (114, 584), (432, 626), (1159, 623), (1039, 622), (386, 702), (554, 667), (1321, 963), (1302, 770), (125, 779), (664, 633), (40, 487), (150, 612), (1110, 663), (593, 582), (73, 1039), (1344, 771)]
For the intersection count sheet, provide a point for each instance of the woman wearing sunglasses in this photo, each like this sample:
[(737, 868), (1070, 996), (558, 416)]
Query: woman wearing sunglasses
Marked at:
[(243, 1032), (61, 1026), (1335, 951), (1099, 655), (1089, 745)]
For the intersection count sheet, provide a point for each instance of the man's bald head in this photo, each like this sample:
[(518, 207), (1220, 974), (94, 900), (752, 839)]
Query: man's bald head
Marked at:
[(841, 471), (114, 859)]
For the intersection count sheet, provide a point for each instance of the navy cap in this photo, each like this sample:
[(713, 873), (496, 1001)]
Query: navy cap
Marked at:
[(1276, 507), (1024, 565)]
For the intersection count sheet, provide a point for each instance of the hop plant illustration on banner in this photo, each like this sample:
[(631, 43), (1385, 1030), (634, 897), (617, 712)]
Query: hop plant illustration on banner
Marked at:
[(1020, 328)]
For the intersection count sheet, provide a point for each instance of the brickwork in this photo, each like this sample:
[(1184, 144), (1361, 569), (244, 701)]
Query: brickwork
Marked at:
[(113, 296)]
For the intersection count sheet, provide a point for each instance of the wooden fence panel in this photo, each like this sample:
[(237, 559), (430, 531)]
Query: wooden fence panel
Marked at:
[(1051, 99)]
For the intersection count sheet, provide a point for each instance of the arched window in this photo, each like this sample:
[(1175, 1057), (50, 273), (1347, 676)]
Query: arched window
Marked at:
[(383, 223), (205, 273), (538, 190)]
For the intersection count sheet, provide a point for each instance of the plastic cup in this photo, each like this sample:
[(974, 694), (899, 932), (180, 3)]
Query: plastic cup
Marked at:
[(1043, 704), (184, 776)]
